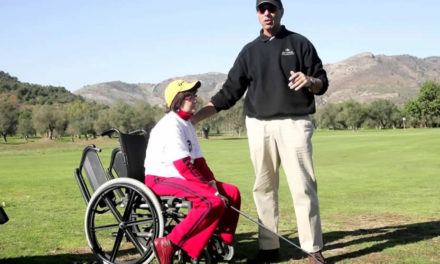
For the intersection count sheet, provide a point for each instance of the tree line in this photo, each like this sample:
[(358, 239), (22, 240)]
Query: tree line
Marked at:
[(422, 111), (83, 119), (78, 119)]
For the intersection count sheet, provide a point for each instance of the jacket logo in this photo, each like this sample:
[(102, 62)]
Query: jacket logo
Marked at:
[(287, 52), (189, 145)]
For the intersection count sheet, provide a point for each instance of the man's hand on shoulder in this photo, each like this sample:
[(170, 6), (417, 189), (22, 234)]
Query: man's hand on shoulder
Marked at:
[(207, 111)]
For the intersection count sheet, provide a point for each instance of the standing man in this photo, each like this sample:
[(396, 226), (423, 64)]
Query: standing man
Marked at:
[(281, 72)]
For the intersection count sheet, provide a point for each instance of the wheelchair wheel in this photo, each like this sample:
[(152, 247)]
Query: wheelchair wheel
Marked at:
[(219, 251), (180, 257), (123, 217)]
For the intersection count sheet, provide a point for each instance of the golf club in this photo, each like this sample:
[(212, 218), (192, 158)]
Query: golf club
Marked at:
[(280, 236)]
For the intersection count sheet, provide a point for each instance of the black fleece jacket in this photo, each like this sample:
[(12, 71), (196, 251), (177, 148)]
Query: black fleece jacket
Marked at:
[(263, 67)]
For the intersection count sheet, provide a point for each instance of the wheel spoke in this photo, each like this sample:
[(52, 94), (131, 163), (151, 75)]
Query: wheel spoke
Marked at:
[(138, 222), (128, 209), (113, 208), (135, 242), (104, 227), (117, 245), (131, 195)]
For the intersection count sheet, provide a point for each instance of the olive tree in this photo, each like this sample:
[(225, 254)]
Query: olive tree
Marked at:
[(8, 118), (25, 127), (49, 118)]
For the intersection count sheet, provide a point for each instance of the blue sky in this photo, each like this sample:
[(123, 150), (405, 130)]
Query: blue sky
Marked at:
[(77, 42)]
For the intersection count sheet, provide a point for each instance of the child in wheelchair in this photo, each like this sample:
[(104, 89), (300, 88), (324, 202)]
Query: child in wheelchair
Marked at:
[(175, 166)]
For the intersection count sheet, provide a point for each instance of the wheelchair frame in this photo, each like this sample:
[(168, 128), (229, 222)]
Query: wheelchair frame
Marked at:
[(123, 215)]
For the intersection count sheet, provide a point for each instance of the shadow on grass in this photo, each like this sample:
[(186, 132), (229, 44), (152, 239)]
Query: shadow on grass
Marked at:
[(378, 239), (12, 143), (232, 138), (53, 259)]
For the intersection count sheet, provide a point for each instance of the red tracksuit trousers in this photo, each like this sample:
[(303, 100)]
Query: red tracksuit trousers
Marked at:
[(208, 212)]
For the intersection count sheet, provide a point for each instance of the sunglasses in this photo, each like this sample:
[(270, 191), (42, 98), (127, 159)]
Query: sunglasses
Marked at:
[(191, 97), (269, 7)]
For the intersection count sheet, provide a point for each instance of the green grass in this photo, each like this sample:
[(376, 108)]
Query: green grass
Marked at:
[(379, 194)]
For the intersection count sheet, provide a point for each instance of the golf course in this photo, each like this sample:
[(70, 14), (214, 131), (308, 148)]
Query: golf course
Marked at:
[(379, 193)]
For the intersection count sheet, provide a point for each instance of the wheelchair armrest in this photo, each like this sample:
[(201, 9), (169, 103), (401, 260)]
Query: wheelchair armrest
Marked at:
[(84, 154), (138, 132), (92, 166), (82, 185)]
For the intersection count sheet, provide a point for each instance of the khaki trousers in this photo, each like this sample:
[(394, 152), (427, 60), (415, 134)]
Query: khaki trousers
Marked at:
[(285, 141)]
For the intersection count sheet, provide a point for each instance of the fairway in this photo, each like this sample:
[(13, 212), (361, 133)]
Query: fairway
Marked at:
[(379, 194)]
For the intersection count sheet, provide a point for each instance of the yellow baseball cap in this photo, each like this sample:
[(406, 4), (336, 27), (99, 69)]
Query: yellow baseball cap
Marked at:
[(178, 86)]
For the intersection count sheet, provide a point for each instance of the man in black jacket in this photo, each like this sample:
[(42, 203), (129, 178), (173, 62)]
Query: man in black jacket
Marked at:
[(281, 72)]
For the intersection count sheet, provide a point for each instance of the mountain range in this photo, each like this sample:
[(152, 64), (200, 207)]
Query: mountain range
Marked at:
[(364, 78)]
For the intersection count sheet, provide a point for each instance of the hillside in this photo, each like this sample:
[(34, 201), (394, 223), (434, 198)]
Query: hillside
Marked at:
[(366, 77), (109, 92), (34, 94), (363, 77)]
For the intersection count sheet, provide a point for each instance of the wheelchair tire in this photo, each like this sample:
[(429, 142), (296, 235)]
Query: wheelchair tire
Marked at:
[(122, 218), (180, 257)]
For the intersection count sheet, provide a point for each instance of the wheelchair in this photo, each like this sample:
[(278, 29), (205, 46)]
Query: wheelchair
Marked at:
[(123, 215)]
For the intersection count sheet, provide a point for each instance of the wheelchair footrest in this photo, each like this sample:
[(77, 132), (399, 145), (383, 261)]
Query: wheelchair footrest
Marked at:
[(177, 214), (175, 202)]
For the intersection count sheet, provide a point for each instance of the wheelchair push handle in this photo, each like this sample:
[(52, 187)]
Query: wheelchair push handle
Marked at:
[(110, 131)]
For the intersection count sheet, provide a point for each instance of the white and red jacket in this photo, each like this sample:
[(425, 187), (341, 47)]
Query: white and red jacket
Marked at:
[(174, 151)]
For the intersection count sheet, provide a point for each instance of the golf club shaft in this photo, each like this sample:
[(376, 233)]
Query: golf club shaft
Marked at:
[(280, 236)]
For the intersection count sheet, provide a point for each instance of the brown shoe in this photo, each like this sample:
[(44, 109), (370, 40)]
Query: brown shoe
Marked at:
[(318, 257), (163, 249)]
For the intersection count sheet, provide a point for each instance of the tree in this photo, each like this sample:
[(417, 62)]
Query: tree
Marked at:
[(384, 113), (81, 116), (47, 119), (235, 117), (429, 100), (353, 113), (61, 121), (120, 114), (103, 121), (25, 126), (8, 118), (326, 116), (412, 113), (426, 107), (143, 116)]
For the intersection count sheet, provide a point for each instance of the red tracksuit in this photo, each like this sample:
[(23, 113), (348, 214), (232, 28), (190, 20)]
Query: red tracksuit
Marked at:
[(208, 212)]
